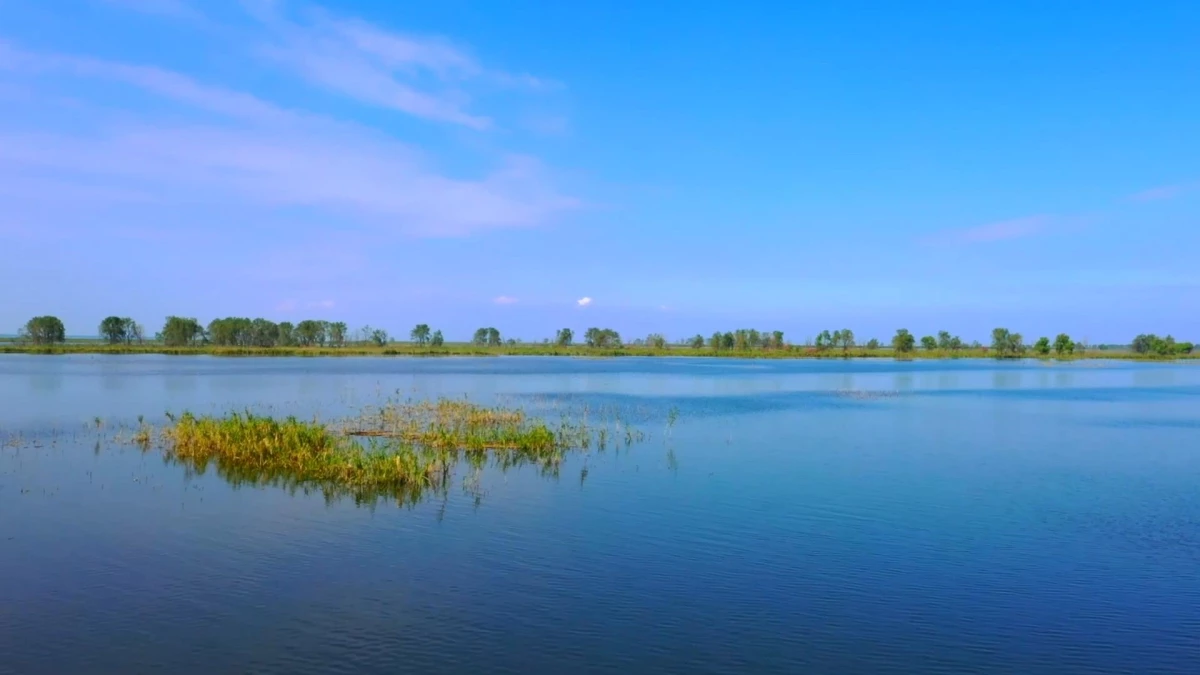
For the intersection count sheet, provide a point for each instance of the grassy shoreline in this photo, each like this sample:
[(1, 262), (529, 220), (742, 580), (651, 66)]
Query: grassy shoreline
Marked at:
[(466, 349)]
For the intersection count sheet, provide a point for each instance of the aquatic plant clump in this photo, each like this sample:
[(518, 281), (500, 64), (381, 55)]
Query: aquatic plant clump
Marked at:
[(449, 424), (399, 449), (260, 449)]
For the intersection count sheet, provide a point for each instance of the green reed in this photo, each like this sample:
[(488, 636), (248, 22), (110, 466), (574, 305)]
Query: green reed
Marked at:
[(401, 450)]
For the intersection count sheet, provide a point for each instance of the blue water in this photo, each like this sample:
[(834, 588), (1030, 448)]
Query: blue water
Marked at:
[(801, 516)]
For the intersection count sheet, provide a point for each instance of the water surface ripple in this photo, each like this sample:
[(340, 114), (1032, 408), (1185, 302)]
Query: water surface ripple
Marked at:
[(800, 516)]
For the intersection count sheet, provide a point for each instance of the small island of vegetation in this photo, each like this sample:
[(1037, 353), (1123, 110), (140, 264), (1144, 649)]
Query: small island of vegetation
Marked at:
[(401, 451)]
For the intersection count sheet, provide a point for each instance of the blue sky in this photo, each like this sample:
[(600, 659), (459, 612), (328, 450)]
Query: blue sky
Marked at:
[(684, 167)]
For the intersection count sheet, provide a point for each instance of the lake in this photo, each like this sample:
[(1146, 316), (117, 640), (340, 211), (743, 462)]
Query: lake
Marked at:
[(799, 516)]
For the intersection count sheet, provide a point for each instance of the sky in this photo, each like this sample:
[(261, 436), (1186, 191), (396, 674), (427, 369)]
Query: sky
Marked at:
[(671, 167)]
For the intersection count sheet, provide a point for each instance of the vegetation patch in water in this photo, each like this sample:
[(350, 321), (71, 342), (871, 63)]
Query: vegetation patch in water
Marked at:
[(401, 450)]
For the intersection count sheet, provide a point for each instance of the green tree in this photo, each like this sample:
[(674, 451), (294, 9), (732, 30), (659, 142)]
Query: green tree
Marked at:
[(437, 340), (728, 341), (1042, 346), (420, 334), (264, 333), (380, 337), (134, 331), (181, 331), (564, 337), (311, 332), (44, 330), (113, 329), (337, 333), (229, 332), (777, 339), (715, 341), (1006, 344), (872, 344), (287, 334), (824, 340), (1000, 341), (696, 342), (903, 341), (493, 337), (846, 339), (480, 337), (929, 343), (656, 341), (1063, 344), (602, 337), (1153, 345)]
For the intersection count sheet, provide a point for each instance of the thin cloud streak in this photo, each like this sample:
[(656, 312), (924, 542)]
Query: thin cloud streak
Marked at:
[(1016, 228), (379, 67), (165, 83), (1158, 193), (275, 157), (505, 300), (171, 8)]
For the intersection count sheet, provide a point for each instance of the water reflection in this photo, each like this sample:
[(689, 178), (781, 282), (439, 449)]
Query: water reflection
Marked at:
[(1005, 378)]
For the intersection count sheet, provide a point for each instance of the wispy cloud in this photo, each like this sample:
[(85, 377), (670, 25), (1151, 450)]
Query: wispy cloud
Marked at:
[(171, 85), (423, 76), (584, 301), (505, 300), (172, 8), (992, 232), (1158, 193), (269, 156), (547, 124)]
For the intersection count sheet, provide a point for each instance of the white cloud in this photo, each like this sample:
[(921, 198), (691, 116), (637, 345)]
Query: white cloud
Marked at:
[(265, 155), (1163, 192), (505, 300), (584, 301), (1016, 228), (422, 76)]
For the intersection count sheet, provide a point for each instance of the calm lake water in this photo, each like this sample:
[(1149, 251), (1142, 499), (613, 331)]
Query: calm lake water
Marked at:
[(800, 516)]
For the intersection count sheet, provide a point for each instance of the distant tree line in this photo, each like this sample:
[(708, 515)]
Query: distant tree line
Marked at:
[(245, 332), (743, 339), (234, 331)]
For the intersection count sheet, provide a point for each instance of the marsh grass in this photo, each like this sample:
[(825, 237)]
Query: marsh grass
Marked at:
[(250, 449), (400, 450)]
